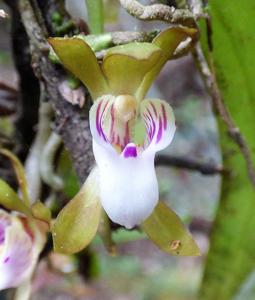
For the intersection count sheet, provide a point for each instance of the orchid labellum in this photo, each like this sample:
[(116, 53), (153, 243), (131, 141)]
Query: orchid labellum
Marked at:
[(20, 246), (127, 130)]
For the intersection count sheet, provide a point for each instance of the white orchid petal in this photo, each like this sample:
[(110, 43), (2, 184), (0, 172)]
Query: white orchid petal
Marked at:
[(159, 119), (128, 184), (16, 256)]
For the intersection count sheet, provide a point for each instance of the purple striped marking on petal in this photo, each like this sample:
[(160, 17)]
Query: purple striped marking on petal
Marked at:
[(130, 151), (156, 121), (99, 117), (164, 116), (160, 130), (154, 109)]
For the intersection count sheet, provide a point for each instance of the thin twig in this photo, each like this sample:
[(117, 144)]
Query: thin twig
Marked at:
[(212, 86), (72, 122), (168, 14), (159, 12), (35, 34), (188, 164)]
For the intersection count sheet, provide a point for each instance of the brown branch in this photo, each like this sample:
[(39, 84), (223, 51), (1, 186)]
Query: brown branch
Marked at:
[(168, 14), (188, 164), (212, 86), (72, 122)]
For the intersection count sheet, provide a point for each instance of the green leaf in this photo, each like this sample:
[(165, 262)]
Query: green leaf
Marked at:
[(20, 173), (168, 41), (79, 59), (167, 231), (232, 253), (125, 66), (78, 221), (95, 15), (41, 212), (10, 200)]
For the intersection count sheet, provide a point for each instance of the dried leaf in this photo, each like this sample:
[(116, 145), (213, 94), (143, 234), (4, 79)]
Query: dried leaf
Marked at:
[(73, 96)]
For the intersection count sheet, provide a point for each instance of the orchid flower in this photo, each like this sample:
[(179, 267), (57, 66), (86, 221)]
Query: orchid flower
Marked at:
[(20, 246), (128, 183), (22, 232), (128, 187)]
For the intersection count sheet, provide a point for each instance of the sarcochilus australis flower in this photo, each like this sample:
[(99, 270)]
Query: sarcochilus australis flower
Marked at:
[(127, 129)]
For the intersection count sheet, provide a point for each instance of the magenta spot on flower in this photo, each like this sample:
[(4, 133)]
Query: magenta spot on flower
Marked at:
[(130, 151), (6, 260), (164, 116), (159, 135)]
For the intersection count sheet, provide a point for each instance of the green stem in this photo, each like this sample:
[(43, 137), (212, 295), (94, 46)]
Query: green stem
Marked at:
[(95, 16)]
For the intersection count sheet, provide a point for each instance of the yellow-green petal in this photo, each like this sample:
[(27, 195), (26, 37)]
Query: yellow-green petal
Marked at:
[(167, 231), (80, 60), (125, 66), (78, 221), (168, 41)]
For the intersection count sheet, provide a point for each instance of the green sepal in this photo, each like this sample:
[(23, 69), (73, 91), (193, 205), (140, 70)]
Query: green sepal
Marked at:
[(77, 223), (79, 59), (165, 229), (168, 41), (125, 66)]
